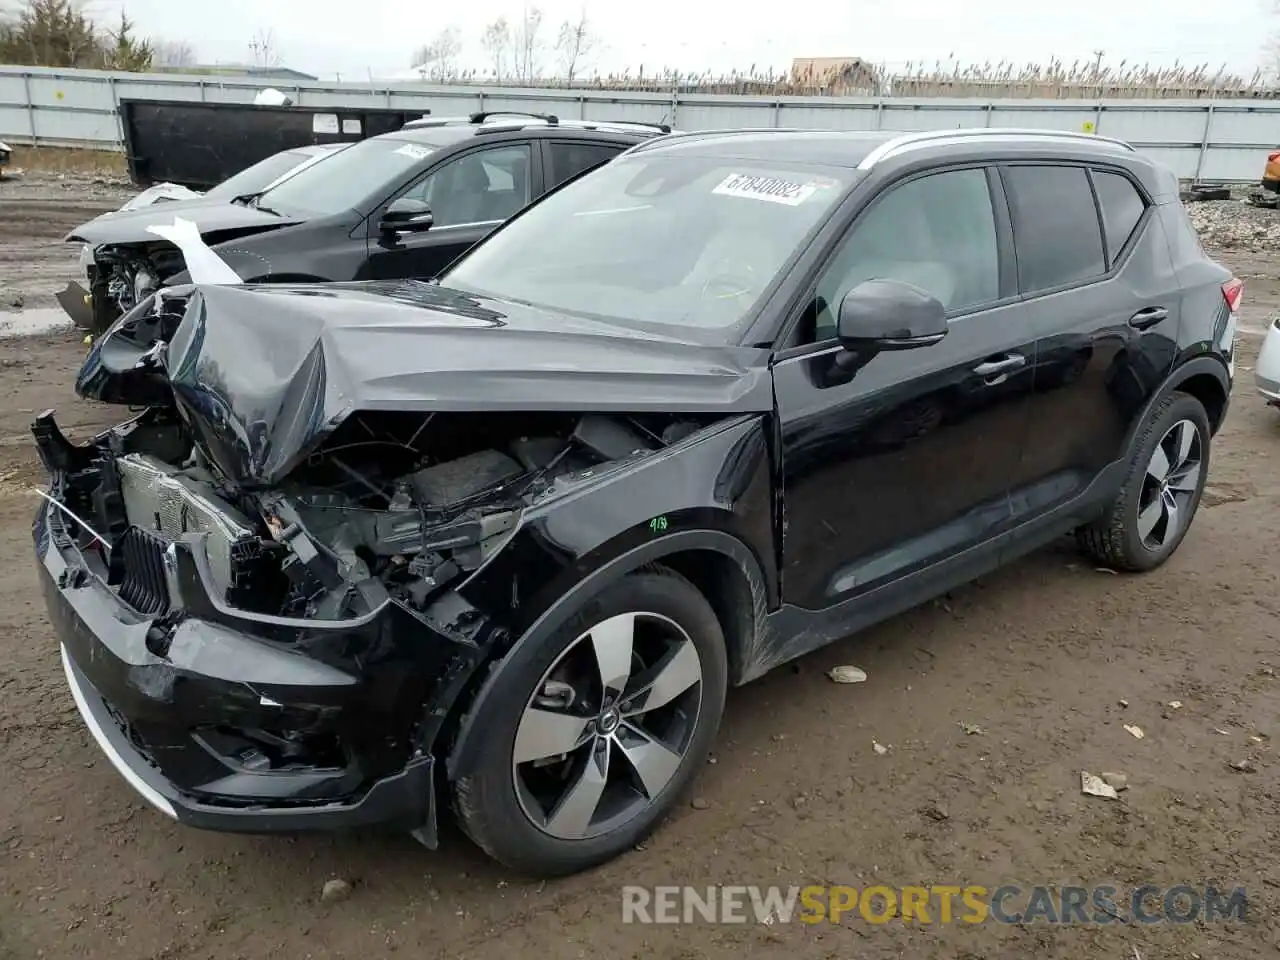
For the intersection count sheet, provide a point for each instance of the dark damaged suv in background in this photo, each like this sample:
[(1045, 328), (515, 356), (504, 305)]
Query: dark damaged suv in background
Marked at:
[(501, 543), (398, 205)]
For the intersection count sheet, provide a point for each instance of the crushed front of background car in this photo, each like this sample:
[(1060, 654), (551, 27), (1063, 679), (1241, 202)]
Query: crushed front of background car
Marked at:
[(259, 600)]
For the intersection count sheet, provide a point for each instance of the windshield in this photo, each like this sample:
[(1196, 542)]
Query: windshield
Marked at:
[(258, 177), (668, 240), (344, 180)]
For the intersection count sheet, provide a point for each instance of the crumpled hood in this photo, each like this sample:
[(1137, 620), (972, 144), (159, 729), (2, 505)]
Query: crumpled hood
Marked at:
[(130, 226), (263, 373), (161, 193)]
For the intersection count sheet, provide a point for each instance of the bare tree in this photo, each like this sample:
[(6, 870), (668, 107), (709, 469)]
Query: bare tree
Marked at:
[(439, 58), (575, 45), (173, 53), (1271, 46), (263, 49), (527, 41), (496, 41)]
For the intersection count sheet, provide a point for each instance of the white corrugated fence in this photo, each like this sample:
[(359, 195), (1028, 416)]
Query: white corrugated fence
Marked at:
[(1210, 140)]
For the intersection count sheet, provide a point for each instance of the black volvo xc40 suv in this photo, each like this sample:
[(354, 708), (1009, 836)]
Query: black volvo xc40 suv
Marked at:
[(499, 544)]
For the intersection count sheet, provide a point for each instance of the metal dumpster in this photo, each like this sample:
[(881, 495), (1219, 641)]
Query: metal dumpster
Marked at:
[(199, 144)]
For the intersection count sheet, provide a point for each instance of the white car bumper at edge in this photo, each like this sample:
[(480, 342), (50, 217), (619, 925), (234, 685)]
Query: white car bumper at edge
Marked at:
[(1266, 371)]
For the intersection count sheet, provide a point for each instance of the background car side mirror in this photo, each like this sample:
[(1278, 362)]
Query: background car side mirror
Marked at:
[(890, 315), (406, 216)]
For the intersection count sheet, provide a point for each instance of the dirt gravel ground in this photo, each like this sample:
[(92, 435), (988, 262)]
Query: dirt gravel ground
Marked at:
[(1039, 657), (36, 212)]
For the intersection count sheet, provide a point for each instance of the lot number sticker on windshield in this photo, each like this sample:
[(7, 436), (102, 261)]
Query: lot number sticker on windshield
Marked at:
[(770, 189)]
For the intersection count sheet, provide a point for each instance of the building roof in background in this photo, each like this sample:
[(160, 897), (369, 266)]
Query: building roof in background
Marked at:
[(240, 70)]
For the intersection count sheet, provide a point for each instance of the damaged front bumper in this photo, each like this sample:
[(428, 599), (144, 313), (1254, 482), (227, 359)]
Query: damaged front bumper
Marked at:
[(244, 722)]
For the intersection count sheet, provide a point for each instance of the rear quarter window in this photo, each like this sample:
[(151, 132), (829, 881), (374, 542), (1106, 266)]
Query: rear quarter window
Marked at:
[(1122, 207), (1055, 226), (570, 158)]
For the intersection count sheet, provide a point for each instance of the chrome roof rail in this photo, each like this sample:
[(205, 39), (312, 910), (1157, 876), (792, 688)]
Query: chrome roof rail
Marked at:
[(923, 138)]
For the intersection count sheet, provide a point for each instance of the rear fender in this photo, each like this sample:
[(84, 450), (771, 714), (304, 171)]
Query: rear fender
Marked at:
[(1193, 376)]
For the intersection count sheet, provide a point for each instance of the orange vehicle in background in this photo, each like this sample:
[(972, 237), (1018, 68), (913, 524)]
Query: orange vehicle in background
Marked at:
[(1271, 175)]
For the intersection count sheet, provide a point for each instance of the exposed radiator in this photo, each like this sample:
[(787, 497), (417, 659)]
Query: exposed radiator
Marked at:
[(143, 586), (159, 497)]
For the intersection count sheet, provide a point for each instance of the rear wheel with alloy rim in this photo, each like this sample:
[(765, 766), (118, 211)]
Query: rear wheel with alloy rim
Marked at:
[(595, 735), (1167, 470)]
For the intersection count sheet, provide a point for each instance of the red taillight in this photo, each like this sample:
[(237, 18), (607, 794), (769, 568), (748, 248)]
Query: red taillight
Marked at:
[(1233, 292)]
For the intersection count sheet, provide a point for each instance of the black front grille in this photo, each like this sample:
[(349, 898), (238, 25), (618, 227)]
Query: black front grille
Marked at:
[(141, 564)]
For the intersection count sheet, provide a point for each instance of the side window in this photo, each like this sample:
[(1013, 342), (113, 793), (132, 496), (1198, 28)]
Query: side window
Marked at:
[(937, 232), (568, 159), (1055, 226), (1122, 208), (477, 187)]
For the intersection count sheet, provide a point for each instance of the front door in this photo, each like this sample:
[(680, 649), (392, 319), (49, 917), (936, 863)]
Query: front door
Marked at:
[(469, 196), (904, 461)]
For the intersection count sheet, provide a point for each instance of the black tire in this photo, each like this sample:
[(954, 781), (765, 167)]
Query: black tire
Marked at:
[(1114, 539), (486, 802)]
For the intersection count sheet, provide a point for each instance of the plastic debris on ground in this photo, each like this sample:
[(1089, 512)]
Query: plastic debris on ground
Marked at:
[(1097, 787), (1116, 781), (847, 674)]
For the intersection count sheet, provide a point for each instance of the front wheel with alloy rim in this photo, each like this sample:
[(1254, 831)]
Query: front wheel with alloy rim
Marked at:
[(591, 738), (1167, 470)]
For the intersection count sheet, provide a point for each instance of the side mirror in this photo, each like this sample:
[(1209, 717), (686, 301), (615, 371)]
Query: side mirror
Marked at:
[(406, 216), (890, 315)]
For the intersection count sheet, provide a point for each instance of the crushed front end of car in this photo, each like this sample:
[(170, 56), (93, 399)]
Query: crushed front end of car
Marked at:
[(253, 580)]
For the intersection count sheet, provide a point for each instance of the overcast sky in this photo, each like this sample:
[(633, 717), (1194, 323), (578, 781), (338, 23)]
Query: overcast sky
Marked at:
[(328, 37)]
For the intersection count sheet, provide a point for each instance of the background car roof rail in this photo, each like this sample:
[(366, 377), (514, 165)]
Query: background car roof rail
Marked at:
[(922, 138), (660, 127), (435, 122), (549, 118)]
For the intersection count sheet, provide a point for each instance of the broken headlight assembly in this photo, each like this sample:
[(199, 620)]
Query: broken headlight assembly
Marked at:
[(391, 506)]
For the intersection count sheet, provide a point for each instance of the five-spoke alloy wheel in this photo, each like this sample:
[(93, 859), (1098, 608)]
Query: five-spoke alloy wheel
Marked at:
[(595, 733), (1171, 482), (1168, 464), (608, 725)]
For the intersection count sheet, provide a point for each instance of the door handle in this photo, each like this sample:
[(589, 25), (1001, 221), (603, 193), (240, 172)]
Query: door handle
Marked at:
[(1148, 317), (1006, 364)]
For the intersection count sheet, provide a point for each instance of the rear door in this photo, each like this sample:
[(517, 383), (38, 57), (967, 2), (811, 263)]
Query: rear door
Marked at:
[(1103, 297), (469, 194), (565, 159)]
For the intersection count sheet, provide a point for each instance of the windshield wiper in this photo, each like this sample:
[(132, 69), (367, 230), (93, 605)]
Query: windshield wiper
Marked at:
[(254, 200)]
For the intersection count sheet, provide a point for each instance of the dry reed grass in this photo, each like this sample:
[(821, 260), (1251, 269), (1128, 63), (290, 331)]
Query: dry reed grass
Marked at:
[(1056, 80)]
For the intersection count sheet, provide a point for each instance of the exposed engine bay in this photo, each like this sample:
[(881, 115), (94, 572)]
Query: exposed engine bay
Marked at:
[(392, 505), (338, 447), (127, 275)]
